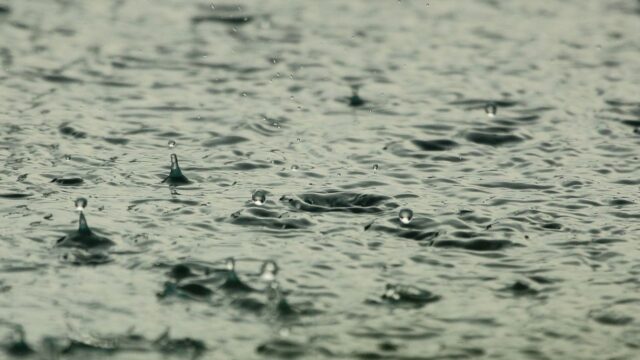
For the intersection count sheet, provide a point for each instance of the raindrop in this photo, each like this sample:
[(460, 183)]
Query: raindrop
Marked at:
[(491, 109), (172, 144), (405, 216), (80, 203), (230, 264), (259, 197), (268, 271)]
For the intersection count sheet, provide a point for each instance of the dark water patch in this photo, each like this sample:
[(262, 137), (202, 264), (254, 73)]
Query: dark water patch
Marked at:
[(61, 79), (472, 104), (620, 202), (332, 201), (15, 196), (224, 140), (485, 137), (521, 288), (552, 226), (269, 220), (193, 291), (4, 9), (72, 181), (435, 145), (476, 244), (283, 349), (116, 141), (515, 186), (611, 318), (68, 130)]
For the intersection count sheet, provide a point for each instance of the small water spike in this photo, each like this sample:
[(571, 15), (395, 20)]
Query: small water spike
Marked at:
[(83, 237), (175, 176), (355, 100), (278, 304), (232, 282)]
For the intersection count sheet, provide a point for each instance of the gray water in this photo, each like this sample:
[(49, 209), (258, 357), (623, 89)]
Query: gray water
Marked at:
[(524, 237)]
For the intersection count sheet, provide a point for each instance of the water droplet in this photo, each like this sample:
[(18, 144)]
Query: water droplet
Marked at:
[(67, 157), (405, 216), (268, 271), (172, 144), (375, 167), (230, 264), (491, 109), (294, 167), (259, 197), (80, 203)]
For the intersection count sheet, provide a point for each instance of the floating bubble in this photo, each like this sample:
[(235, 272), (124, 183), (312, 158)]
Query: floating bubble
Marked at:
[(172, 144), (491, 109), (80, 203), (259, 197), (405, 216)]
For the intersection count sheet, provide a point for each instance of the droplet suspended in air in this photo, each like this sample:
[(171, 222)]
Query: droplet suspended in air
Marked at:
[(259, 197), (491, 109), (269, 270), (172, 144), (230, 264), (80, 203), (405, 216)]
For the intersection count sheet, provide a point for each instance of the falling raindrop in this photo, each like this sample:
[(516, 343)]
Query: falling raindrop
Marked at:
[(230, 264), (80, 203), (259, 197), (491, 109), (268, 271), (405, 216)]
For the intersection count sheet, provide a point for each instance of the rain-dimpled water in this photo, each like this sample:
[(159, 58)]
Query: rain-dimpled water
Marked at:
[(319, 179)]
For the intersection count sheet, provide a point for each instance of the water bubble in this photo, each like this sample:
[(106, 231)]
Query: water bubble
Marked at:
[(268, 271), (375, 167), (172, 144), (67, 157), (491, 109), (294, 167), (405, 216), (259, 197), (230, 264), (80, 203)]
